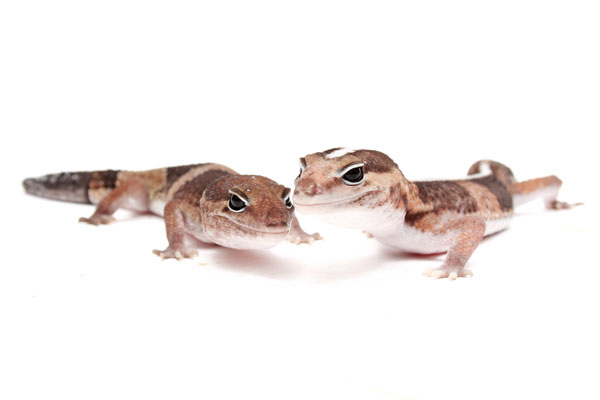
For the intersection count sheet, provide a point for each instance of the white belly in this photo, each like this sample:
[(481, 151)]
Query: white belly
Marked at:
[(158, 207), (496, 225), (409, 239)]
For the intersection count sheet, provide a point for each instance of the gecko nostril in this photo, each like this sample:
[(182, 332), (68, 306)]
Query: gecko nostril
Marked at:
[(307, 187), (276, 218)]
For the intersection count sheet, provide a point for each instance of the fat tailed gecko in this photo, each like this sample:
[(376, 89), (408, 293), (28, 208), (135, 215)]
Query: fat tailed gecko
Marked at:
[(202, 202), (366, 190)]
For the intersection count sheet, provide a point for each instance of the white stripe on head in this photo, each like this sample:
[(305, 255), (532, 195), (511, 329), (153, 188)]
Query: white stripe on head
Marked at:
[(339, 153), (348, 168)]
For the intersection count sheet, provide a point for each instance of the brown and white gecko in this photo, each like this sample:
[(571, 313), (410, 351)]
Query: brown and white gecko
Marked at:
[(202, 202), (366, 190)]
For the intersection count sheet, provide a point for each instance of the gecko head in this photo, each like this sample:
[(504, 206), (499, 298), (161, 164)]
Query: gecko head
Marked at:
[(338, 182), (246, 212)]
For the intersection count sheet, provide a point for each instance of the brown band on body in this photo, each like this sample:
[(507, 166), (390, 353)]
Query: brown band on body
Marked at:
[(398, 197), (192, 190), (493, 184), (441, 196), (446, 195), (103, 179), (102, 183), (193, 173), (174, 173)]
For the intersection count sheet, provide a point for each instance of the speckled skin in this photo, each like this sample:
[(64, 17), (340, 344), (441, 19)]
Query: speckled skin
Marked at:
[(193, 199), (419, 217)]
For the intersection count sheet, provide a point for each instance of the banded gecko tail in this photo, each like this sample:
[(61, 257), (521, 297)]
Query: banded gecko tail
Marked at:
[(73, 187), (500, 171), (545, 188)]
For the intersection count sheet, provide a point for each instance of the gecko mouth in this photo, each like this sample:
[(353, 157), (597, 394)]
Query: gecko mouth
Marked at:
[(254, 230), (330, 203)]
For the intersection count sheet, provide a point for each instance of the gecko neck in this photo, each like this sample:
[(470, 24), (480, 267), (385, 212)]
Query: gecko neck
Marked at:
[(401, 195), (381, 213)]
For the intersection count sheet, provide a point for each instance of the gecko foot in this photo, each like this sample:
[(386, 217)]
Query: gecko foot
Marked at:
[(176, 253), (561, 205), (98, 219), (303, 238), (448, 272)]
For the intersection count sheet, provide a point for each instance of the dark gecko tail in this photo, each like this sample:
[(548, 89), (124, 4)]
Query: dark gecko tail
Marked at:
[(71, 186), (500, 171), (545, 188)]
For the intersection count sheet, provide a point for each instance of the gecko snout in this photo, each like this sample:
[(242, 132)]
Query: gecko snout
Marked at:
[(277, 218), (311, 189)]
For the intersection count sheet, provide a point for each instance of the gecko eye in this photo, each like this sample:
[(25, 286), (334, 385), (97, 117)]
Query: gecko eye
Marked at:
[(354, 176), (236, 204), (302, 167), (288, 202)]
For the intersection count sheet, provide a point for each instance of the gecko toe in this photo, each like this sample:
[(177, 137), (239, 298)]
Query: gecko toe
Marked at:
[(304, 239), (435, 273), (561, 205), (438, 273), (162, 254), (98, 219), (179, 254), (466, 273), (446, 272), (316, 236)]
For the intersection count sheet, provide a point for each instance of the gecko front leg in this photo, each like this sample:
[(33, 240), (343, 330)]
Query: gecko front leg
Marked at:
[(298, 236), (176, 235), (465, 234)]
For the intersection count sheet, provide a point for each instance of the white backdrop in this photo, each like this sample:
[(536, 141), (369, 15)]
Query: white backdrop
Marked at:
[(90, 313)]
